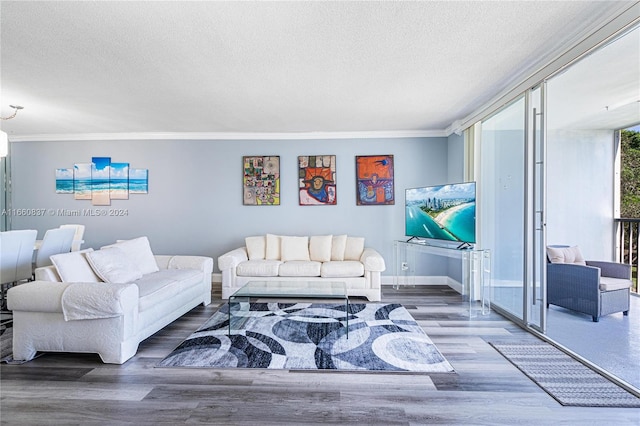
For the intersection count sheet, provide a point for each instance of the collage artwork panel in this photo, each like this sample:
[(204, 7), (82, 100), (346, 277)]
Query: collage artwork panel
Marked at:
[(261, 180)]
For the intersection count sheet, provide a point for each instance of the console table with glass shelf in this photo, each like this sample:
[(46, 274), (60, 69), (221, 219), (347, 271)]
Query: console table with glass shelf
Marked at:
[(475, 265)]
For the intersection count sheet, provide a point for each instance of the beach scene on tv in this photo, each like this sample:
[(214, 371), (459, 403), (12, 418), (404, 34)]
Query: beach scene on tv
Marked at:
[(444, 212)]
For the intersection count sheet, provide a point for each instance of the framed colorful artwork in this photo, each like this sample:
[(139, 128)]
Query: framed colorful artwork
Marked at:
[(374, 180), (261, 180), (317, 180)]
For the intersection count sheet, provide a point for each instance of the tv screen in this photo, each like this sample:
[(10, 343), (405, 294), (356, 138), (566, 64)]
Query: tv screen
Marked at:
[(443, 212)]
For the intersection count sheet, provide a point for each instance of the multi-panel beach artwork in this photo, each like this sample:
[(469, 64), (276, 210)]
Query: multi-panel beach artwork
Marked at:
[(101, 181)]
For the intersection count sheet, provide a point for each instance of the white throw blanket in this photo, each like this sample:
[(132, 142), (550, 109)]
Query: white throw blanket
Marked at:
[(92, 300)]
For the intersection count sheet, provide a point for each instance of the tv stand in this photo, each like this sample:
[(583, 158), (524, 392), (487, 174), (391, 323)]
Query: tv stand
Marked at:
[(417, 240), (470, 276)]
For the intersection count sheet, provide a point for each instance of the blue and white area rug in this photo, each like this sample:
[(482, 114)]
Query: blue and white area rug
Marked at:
[(303, 336)]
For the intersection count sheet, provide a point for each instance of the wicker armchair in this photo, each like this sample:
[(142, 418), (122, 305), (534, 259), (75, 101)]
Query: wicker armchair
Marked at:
[(595, 288)]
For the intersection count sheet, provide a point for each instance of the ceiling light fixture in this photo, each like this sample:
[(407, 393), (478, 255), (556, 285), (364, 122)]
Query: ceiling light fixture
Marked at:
[(16, 108), (4, 138)]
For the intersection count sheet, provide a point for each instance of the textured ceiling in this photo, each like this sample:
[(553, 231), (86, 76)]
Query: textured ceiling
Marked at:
[(273, 67)]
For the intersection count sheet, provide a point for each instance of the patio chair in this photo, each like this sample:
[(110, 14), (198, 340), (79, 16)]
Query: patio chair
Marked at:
[(594, 288)]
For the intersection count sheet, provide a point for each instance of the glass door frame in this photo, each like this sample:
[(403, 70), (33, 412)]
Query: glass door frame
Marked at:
[(533, 314), (535, 294)]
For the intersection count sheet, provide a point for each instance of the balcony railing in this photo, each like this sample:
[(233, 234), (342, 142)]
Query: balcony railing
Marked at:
[(628, 234)]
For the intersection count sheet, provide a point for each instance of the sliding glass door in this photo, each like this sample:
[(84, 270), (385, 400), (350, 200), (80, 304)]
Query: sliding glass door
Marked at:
[(511, 182), (502, 209)]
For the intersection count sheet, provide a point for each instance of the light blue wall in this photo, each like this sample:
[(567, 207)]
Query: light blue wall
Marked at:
[(194, 204), (440, 266), (455, 157)]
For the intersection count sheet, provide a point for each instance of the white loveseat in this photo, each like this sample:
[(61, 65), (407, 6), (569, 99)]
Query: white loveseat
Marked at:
[(289, 258), (105, 301)]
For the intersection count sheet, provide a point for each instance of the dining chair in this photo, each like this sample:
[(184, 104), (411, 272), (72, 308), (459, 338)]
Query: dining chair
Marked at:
[(77, 237), (55, 241), (16, 257)]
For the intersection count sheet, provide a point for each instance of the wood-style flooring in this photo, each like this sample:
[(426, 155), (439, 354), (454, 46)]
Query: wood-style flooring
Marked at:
[(78, 389)]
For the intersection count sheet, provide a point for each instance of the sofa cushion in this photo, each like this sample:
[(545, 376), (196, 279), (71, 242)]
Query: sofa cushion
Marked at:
[(163, 285), (294, 248), (272, 251), (74, 267), (256, 247), (565, 255), (354, 248), (612, 284), (300, 268), (320, 248), (338, 245), (139, 251), (346, 268), (113, 266), (258, 268)]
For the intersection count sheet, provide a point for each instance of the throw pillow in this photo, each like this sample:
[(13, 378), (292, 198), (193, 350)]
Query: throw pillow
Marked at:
[(338, 244), (73, 267), (295, 248), (256, 247), (354, 248), (273, 247), (114, 265), (565, 255), (139, 251), (320, 248)]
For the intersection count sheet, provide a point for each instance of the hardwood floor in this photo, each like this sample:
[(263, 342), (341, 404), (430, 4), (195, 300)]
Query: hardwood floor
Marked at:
[(485, 389)]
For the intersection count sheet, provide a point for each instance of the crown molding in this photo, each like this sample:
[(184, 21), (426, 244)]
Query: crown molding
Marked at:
[(390, 134)]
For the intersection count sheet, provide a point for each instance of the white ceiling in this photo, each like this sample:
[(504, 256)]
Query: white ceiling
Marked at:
[(273, 67)]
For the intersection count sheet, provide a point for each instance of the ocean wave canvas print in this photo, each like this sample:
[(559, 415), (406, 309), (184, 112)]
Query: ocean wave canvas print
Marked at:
[(138, 181), (64, 181), (100, 171), (119, 181), (101, 181), (82, 181)]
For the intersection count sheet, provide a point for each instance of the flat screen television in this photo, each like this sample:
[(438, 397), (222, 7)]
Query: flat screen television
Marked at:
[(442, 212)]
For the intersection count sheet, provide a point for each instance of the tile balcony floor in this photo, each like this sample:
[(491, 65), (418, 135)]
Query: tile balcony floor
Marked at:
[(613, 343)]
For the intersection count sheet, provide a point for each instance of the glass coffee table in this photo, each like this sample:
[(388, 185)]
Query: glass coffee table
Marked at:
[(239, 301)]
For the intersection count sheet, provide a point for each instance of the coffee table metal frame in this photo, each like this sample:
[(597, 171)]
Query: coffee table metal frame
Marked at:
[(284, 289)]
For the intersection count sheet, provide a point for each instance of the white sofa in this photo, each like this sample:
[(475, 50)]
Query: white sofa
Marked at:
[(105, 301), (292, 258)]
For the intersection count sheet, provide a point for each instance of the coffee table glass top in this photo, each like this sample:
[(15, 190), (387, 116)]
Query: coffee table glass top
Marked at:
[(314, 289), (239, 301)]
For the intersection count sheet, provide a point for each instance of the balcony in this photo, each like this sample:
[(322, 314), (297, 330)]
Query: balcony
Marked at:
[(627, 236)]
